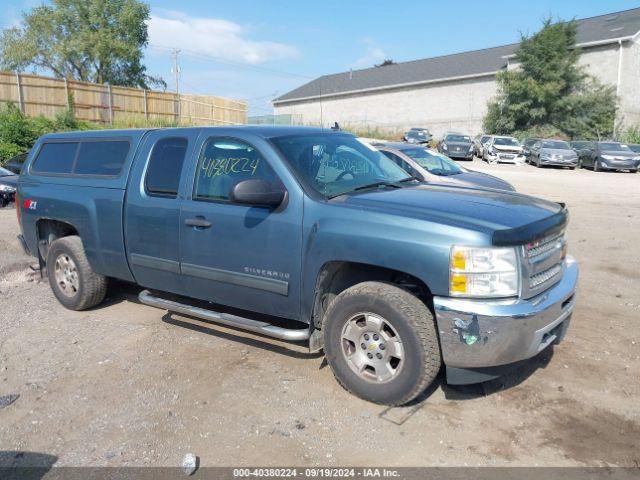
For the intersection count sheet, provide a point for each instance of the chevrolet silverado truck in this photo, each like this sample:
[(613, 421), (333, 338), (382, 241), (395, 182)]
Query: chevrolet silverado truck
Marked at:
[(306, 235)]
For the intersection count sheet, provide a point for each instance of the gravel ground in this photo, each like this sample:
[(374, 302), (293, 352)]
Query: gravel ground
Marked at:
[(127, 384)]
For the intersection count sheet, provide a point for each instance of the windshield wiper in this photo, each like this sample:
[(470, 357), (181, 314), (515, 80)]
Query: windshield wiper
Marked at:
[(377, 184), (367, 186)]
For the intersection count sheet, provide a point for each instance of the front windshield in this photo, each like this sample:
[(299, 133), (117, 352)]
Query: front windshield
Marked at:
[(434, 162), (556, 144), (457, 138), (506, 141), (4, 172), (336, 164), (614, 147)]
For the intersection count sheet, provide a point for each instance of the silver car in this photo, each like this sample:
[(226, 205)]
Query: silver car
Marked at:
[(553, 152), (431, 166)]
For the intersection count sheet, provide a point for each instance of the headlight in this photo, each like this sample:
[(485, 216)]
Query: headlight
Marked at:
[(7, 188), (608, 157), (444, 146), (483, 272)]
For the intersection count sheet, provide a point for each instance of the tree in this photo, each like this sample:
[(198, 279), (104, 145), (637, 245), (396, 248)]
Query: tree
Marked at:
[(92, 40), (386, 62), (549, 91)]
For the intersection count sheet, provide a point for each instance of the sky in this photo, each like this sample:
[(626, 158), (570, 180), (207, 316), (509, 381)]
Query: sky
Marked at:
[(257, 50)]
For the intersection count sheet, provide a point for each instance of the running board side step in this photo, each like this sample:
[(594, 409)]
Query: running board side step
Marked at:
[(227, 319)]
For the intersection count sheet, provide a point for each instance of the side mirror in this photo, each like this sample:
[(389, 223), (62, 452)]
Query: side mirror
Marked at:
[(257, 193)]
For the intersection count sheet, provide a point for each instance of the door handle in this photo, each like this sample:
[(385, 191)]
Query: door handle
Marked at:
[(198, 222)]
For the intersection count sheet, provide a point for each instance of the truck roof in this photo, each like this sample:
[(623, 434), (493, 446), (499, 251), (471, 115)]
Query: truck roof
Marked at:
[(266, 131)]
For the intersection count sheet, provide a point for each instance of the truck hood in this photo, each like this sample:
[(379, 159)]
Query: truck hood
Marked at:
[(474, 208)]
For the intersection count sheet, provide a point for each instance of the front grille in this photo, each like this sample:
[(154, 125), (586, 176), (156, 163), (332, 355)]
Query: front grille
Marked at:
[(535, 249), (542, 264), (509, 152), (542, 277)]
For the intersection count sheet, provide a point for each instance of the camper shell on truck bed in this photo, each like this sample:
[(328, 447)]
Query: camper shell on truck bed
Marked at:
[(308, 235)]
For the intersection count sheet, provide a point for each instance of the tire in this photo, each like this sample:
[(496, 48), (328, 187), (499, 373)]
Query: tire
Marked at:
[(72, 281), (403, 322), (596, 166), (538, 163)]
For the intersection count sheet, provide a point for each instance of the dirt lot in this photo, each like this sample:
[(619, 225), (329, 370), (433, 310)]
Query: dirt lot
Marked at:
[(127, 384)]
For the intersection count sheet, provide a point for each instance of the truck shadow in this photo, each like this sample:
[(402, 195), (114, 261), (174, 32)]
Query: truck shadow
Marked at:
[(400, 415), (519, 374), (25, 465), (289, 349)]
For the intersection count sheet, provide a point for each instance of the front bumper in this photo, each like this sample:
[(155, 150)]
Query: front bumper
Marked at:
[(466, 154), (559, 163), (505, 331), (619, 164), (506, 158)]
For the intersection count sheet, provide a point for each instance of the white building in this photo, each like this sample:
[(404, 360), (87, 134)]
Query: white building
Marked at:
[(451, 92)]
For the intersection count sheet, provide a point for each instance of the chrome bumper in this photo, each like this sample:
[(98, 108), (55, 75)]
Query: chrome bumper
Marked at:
[(487, 333)]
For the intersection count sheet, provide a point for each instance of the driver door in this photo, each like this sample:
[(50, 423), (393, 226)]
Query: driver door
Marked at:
[(241, 256)]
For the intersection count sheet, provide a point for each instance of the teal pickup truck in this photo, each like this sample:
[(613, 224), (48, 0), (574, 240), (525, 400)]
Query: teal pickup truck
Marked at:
[(307, 235)]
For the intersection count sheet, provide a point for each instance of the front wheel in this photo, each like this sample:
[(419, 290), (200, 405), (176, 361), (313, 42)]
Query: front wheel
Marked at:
[(73, 282), (596, 166), (381, 343)]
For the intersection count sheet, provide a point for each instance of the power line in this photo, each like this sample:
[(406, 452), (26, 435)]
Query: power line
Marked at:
[(214, 59)]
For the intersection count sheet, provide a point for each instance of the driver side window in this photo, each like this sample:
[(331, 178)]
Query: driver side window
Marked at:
[(224, 163)]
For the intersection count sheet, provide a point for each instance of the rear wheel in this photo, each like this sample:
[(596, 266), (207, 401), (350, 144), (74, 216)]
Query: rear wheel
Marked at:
[(381, 343), (73, 282)]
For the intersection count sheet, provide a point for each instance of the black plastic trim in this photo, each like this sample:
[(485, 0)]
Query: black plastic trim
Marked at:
[(236, 278), (155, 263)]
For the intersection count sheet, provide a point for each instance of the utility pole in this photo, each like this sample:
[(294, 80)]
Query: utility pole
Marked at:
[(176, 73)]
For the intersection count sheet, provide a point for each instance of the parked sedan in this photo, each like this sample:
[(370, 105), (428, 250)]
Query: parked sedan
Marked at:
[(8, 185), (417, 135), (458, 146), (609, 156), (553, 152), (503, 149), (434, 167)]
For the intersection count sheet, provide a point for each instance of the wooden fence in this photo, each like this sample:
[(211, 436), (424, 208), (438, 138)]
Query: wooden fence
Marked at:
[(36, 95)]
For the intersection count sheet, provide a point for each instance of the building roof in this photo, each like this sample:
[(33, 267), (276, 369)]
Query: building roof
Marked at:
[(591, 31)]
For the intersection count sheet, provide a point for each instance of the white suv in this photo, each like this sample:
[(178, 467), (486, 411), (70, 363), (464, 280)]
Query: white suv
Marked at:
[(503, 149)]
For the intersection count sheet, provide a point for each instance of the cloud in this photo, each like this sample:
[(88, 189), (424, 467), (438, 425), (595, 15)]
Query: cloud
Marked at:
[(214, 36), (373, 54)]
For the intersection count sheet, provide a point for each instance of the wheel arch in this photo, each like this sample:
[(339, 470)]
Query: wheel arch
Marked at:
[(336, 276), (49, 230)]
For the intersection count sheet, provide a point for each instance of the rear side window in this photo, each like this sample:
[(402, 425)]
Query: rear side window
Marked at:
[(56, 157), (165, 166), (101, 158)]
